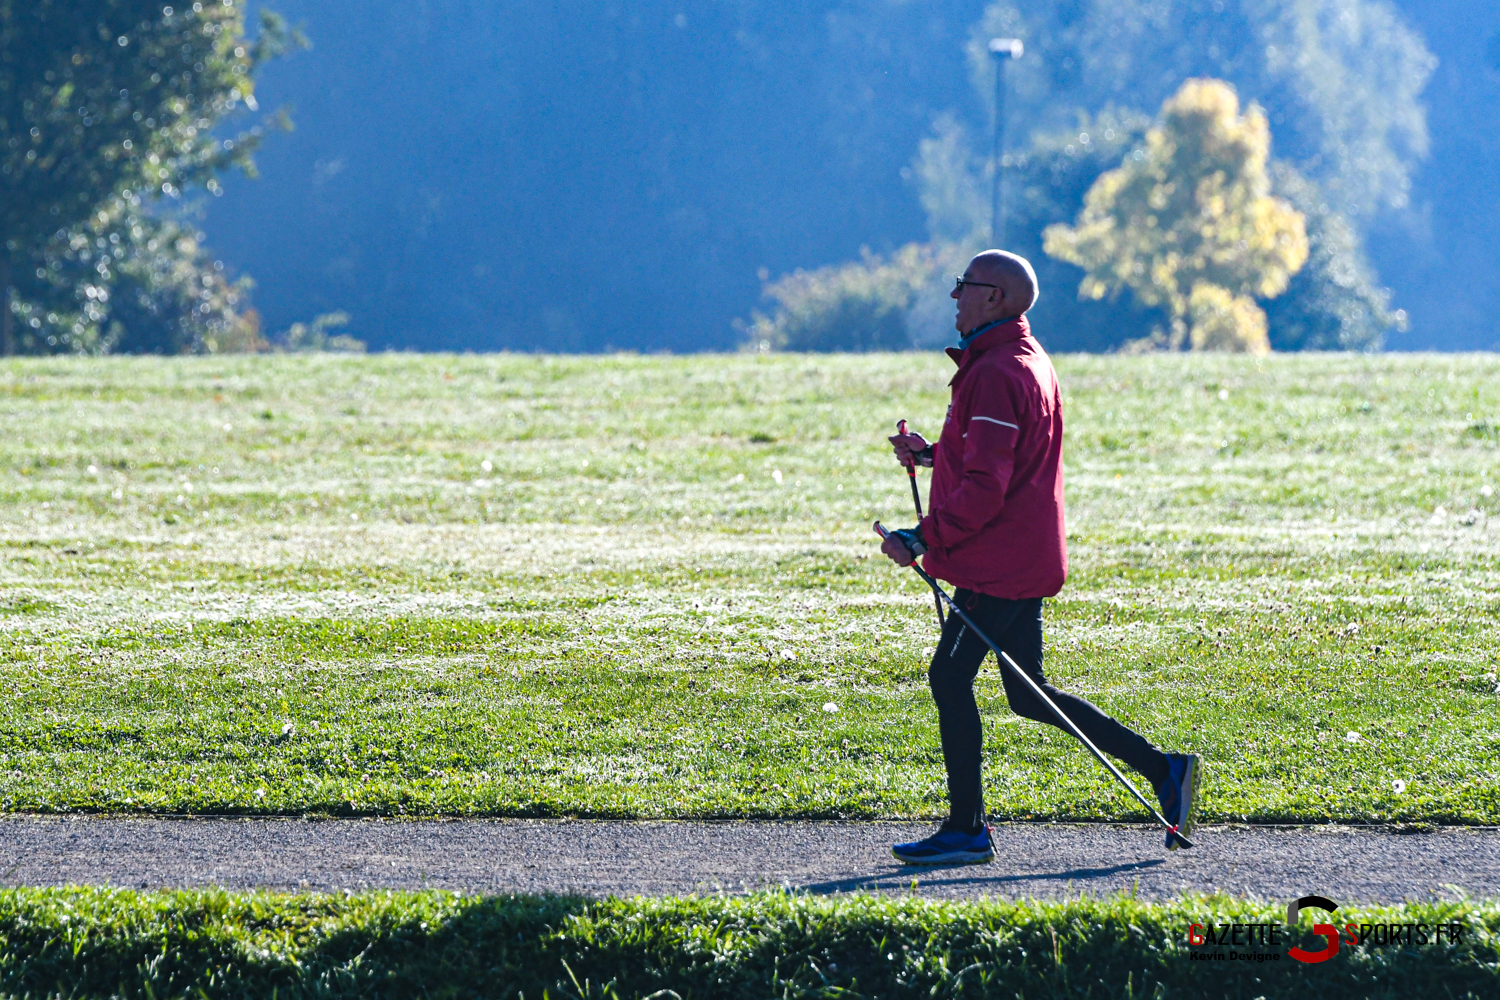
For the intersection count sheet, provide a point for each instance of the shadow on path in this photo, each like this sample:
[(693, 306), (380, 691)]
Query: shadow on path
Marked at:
[(897, 876)]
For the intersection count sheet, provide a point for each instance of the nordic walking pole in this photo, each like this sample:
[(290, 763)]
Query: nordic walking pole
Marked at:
[(1036, 688), (911, 474), (916, 498)]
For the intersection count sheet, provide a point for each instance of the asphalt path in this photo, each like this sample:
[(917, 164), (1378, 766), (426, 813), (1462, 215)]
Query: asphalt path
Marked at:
[(632, 858)]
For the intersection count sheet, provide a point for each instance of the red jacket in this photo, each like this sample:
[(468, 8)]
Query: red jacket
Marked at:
[(996, 506)]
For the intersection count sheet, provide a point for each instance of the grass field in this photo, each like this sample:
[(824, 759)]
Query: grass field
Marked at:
[(82, 942), (647, 586)]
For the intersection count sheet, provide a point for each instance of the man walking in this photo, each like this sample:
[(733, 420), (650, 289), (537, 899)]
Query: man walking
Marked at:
[(994, 530)]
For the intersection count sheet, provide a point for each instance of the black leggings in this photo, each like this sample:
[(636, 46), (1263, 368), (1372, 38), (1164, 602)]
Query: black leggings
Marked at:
[(1016, 627)]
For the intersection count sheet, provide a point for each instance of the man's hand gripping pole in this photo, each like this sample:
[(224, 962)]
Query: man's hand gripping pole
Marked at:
[(916, 499), (1036, 688), (911, 473)]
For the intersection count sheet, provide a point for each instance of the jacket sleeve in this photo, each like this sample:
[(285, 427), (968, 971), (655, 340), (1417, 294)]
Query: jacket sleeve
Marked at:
[(989, 442)]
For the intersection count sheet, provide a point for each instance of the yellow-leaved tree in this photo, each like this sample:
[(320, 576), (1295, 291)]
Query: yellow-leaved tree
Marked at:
[(1188, 223)]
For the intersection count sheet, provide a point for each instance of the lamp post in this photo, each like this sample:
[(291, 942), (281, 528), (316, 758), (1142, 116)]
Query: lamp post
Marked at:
[(1002, 50)]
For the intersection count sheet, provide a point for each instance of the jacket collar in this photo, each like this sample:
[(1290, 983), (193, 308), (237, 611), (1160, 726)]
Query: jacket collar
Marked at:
[(989, 336)]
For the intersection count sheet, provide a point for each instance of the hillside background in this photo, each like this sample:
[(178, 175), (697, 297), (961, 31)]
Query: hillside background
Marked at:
[(581, 176)]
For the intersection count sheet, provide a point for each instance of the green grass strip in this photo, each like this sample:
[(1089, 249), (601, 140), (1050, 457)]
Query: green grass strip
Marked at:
[(646, 587), (81, 942)]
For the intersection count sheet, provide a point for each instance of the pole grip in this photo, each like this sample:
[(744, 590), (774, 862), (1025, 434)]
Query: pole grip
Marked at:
[(911, 465)]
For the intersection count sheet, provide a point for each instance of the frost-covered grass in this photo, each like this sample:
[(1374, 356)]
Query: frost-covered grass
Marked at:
[(212, 944), (624, 586)]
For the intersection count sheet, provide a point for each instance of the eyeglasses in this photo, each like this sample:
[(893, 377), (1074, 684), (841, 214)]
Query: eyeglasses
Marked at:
[(959, 281)]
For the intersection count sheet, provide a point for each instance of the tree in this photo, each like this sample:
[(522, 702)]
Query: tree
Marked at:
[(1334, 302), (1047, 182), (128, 281), (1341, 80), (105, 107), (1188, 223)]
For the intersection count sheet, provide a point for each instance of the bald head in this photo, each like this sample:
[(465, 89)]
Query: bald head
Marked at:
[(1014, 276), (997, 286)]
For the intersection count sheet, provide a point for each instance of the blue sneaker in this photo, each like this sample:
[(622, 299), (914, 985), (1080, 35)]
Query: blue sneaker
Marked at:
[(1177, 793), (947, 847)]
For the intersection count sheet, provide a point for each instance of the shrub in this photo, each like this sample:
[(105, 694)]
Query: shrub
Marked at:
[(859, 306), (307, 337)]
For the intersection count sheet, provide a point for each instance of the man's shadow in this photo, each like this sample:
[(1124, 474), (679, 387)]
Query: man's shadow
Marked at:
[(898, 876)]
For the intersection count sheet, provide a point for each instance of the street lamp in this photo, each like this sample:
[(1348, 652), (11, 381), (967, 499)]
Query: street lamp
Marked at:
[(1002, 50)]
